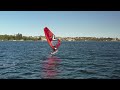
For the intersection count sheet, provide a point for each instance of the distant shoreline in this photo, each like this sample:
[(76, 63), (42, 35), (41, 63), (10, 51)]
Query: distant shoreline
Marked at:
[(20, 37), (61, 40)]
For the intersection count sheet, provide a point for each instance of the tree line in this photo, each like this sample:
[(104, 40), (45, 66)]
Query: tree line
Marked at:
[(89, 39), (18, 37), (25, 38)]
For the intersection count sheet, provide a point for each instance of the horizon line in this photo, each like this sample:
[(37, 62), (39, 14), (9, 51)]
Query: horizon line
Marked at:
[(62, 36)]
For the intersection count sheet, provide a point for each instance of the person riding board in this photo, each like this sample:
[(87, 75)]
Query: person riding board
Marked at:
[(54, 42)]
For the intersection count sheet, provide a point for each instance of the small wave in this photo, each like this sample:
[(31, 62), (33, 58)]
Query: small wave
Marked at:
[(87, 71), (14, 77), (2, 56), (5, 66), (27, 73), (115, 77), (70, 58)]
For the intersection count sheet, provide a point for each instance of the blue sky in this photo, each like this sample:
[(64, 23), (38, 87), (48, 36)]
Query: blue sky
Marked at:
[(61, 23)]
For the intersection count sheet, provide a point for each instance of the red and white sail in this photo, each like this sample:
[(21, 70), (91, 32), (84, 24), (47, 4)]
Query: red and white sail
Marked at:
[(49, 37)]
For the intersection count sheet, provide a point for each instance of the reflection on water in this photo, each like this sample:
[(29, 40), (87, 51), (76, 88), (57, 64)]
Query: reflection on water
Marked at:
[(50, 67)]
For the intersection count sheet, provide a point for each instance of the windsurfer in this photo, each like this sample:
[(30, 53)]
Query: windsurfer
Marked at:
[(53, 38), (54, 42)]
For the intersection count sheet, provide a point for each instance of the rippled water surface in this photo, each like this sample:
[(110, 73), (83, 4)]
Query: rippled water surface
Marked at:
[(74, 60)]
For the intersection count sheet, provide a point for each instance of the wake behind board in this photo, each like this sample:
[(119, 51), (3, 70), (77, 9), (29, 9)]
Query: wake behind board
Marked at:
[(52, 53)]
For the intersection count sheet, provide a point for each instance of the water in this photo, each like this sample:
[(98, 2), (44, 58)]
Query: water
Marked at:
[(74, 60)]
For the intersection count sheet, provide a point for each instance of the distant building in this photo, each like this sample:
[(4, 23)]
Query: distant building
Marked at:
[(43, 39)]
